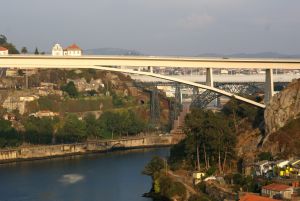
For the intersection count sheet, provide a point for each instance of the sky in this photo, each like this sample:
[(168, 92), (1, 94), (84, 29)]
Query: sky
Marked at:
[(155, 27)]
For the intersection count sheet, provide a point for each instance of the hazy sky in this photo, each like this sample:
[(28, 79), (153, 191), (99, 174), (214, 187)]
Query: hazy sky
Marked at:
[(155, 27)]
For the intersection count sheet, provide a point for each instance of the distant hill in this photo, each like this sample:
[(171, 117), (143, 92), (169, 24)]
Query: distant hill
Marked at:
[(111, 51), (254, 55)]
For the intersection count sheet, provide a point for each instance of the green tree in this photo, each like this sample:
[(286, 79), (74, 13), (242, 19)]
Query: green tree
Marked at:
[(154, 166), (36, 51), (73, 130), (265, 156), (9, 137), (118, 101), (210, 139), (3, 39), (11, 48), (24, 50), (92, 125), (39, 130), (111, 122), (170, 188), (70, 89)]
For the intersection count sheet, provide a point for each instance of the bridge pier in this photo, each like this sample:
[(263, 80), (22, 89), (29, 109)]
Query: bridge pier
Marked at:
[(178, 94), (209, 77), (269, 86), (150, 68), (154, 107)]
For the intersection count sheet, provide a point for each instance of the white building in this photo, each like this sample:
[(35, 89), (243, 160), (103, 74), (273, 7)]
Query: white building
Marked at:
[(72, 50), (57, 50), (3, 51)]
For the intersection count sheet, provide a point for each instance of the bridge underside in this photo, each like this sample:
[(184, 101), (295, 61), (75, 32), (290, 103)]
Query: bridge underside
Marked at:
[(151, 74), (111, 63)]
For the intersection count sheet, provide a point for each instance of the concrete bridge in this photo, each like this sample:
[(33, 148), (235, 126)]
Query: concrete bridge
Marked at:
[(111, 63)]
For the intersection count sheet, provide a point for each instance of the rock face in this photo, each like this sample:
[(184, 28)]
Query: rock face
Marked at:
[(283, 107)]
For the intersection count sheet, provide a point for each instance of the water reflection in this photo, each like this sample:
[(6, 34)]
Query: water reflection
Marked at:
[(110, 177)]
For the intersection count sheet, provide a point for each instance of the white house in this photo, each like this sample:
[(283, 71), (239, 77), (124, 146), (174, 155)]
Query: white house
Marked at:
[(3, 51), (262, 167), (72, 50), (282, 163), (57, 50)]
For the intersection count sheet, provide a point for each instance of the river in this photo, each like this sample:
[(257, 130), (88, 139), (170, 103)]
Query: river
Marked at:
[(114, 176)]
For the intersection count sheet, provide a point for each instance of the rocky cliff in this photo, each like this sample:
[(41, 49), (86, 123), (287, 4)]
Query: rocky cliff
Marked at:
[(283, 107), (282, 122)]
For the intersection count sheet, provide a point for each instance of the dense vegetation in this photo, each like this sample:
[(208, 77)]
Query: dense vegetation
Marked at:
[(4, 43), (211, 137), (210, 141), (163, 187), (70, 129)]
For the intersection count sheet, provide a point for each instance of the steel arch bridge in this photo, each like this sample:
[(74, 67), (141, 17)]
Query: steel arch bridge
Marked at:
[(151, 74), (98, 62), (201, 100), (193, 84)]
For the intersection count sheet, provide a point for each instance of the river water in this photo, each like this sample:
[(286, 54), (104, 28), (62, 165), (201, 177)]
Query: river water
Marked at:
[(114, 176)]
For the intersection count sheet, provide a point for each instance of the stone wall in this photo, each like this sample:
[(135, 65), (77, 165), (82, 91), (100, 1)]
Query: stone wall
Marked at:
[(46, 151)]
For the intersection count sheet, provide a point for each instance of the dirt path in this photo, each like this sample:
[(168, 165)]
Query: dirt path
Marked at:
[(184, 180)]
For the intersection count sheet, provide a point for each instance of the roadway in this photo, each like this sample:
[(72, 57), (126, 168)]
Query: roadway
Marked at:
[(32, 61)]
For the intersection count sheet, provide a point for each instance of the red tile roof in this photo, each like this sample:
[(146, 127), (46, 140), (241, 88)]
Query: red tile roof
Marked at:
[(3, 48), (250, 197), (73, 47), (276, 187)]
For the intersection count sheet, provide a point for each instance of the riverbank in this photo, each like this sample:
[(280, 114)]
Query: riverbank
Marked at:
[(35, 152)]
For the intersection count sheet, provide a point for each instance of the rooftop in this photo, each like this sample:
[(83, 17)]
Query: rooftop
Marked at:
[(3, 48), (277, 187), (250, 197), (73, 47)]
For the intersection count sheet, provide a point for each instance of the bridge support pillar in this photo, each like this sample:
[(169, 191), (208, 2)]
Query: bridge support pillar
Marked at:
[(178, 94), (150, 68), (154, 107), (269, 85), (209, 77)]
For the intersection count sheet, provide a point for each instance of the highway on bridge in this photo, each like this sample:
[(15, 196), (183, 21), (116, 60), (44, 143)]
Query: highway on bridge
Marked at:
[(111, 63), (139, 61)]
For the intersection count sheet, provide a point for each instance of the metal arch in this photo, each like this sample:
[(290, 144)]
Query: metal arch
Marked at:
[(213, 89), (113, 69), (241, 88), (203, 99), (206, 97)]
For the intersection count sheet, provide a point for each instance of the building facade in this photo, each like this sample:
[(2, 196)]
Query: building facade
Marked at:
[(277, 190), (3, 51), (57, 50), (72, 50)]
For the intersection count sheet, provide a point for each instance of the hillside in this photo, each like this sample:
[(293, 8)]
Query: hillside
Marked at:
[(282, 119), (285, 142), (283, 107)]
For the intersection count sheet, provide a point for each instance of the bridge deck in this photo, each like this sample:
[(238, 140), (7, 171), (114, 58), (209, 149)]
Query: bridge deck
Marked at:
[(137, 61)]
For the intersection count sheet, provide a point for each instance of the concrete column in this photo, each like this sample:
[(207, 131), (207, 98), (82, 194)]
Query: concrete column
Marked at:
[(209, 77), (269, 85), (180, 97), (150, 69)]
